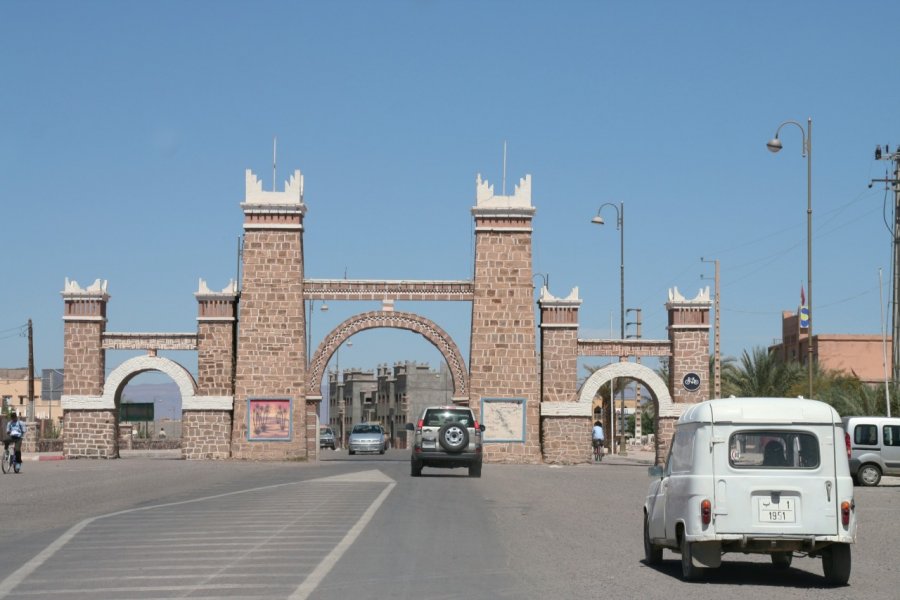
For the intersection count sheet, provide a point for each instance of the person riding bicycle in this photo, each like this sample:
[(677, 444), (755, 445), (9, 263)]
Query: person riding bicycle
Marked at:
[(15, 431), (597, 440)]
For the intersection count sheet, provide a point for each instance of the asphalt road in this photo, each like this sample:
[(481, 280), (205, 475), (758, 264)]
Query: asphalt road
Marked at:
[(360, 527)]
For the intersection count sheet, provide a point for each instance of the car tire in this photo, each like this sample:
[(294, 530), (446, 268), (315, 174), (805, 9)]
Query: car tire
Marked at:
[(868, 475), (415, 469), (352, 452), (689, 571), (475, 470), (782, 560), (453, 437), (652, 552), (836, 564)]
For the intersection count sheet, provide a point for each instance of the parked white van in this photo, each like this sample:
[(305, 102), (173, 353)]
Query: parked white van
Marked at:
[(874, 448), (754, 475)]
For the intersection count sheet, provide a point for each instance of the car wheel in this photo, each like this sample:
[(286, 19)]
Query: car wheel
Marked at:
[(652, 552), (689, 571), (453, 437), (352, 452), (782, 560), (415, 469), (475, 470), (868, 475), (836, 564)]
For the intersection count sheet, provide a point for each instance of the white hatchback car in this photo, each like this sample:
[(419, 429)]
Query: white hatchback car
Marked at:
[(754, 475)]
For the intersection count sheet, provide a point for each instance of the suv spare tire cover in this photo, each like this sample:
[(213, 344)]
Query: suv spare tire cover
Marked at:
[(453, 437)]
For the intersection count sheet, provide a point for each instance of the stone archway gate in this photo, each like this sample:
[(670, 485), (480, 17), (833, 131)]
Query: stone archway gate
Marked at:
[(263, 362)]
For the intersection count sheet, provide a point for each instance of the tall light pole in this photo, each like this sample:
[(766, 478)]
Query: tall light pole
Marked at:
[(775, 145), (620, 225)]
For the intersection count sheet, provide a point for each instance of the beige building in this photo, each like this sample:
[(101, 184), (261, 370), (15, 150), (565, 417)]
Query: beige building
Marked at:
[(866, 356)]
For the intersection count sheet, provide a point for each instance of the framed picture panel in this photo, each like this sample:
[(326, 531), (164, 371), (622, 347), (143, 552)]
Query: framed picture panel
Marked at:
[(269, 419)]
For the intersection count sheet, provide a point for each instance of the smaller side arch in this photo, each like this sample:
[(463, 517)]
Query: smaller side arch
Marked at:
[(187, 387), (602, 376)]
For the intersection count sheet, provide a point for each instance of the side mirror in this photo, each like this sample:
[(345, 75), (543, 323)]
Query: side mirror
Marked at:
[(655, 471), (481, 426), (410, 427)]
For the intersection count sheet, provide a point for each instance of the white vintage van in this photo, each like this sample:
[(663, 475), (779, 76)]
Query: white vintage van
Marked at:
[(754, 475)]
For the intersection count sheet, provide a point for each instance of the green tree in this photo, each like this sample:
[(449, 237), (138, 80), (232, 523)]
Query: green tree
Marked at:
[(761, 373)]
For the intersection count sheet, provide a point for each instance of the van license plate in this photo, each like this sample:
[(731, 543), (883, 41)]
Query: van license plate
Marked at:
[(775, 509)]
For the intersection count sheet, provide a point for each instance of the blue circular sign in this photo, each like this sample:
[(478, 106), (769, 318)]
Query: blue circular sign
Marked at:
[(691, 382)]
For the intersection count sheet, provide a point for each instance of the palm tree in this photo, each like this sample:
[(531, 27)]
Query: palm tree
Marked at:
[(761, 373)]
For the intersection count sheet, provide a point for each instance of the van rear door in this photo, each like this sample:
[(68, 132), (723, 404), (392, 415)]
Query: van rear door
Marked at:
[(777, 481)]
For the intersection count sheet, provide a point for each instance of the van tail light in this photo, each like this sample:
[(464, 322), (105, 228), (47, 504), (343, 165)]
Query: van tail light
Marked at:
[(847, 443), (706, 511), (846, 507)]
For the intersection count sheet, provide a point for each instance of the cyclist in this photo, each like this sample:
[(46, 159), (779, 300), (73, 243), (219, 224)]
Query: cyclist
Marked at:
[(597, 440), (15, 431)]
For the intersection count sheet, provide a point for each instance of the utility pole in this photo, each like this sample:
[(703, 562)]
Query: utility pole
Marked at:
[(895, 263), (30, 372), (638, 412), (717, 353)]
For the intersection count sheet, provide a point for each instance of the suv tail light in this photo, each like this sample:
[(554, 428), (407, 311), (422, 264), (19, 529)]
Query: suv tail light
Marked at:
[(420, 423), (847, 443), (706, 511), (477, 428), (845, 512)]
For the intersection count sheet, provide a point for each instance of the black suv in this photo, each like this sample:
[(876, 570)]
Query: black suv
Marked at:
[(446, 437)]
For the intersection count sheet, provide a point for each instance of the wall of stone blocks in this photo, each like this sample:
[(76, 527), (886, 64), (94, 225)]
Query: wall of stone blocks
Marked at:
[(206, 434), (503, 360), (215, 358), (690, 354), (665, 431), (271, 340), (83, 358), (90, 434), (567, 440), (559, 356)]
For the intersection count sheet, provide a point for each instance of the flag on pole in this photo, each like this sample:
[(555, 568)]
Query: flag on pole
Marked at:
[(804, 310)]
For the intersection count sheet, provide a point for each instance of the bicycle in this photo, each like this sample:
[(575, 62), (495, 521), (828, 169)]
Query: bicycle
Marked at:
[(8, 464), (598, 450)]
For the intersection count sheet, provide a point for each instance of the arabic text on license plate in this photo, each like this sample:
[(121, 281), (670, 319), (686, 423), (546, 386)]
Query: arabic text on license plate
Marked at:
[(780, 511)]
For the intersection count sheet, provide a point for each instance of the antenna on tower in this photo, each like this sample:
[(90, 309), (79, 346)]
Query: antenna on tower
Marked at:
[(274, 155), (504, 167)]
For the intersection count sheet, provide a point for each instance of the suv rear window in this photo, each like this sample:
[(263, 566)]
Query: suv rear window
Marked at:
[(773, 449), (436, 417)]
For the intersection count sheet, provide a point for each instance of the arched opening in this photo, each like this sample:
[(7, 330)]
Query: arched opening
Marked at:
[(148, 393), (392, 393)]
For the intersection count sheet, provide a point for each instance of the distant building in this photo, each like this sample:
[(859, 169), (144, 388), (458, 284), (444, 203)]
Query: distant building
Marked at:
[(390, 396), (47, 391), (861, 355)]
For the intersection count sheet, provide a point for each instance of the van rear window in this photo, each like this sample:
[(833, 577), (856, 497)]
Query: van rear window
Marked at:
[(773, 450)]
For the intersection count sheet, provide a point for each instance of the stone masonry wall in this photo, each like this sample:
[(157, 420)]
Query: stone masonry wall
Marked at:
[(503, 361), (271, 339), (567, 440), (559, 357), (84, 359), (90, 434), (206, 434), (665, 431), (690, 354), (215, 358)]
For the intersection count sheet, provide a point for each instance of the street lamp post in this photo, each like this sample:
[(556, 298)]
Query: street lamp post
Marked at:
[(620, 226), (774, 145)]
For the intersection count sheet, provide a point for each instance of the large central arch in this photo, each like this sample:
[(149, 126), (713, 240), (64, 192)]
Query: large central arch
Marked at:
[(396, 320)]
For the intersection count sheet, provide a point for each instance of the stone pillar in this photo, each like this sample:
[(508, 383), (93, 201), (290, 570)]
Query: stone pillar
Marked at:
[(206, 431), (689, 335), (271, 349), (502, 361), (89, 428), (565, 438)]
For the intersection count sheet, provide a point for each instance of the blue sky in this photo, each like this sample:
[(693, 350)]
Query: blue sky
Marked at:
[(126, 129)]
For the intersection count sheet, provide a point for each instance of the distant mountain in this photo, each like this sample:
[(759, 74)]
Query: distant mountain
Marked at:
[(165, 396)]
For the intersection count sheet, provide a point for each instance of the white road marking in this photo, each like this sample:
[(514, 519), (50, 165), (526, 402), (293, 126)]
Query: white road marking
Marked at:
[(373, 476), (315, 578)]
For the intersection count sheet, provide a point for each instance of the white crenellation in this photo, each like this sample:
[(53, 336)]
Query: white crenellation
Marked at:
[(485, 197), (292, 194), (701, 297), (96, 289)]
